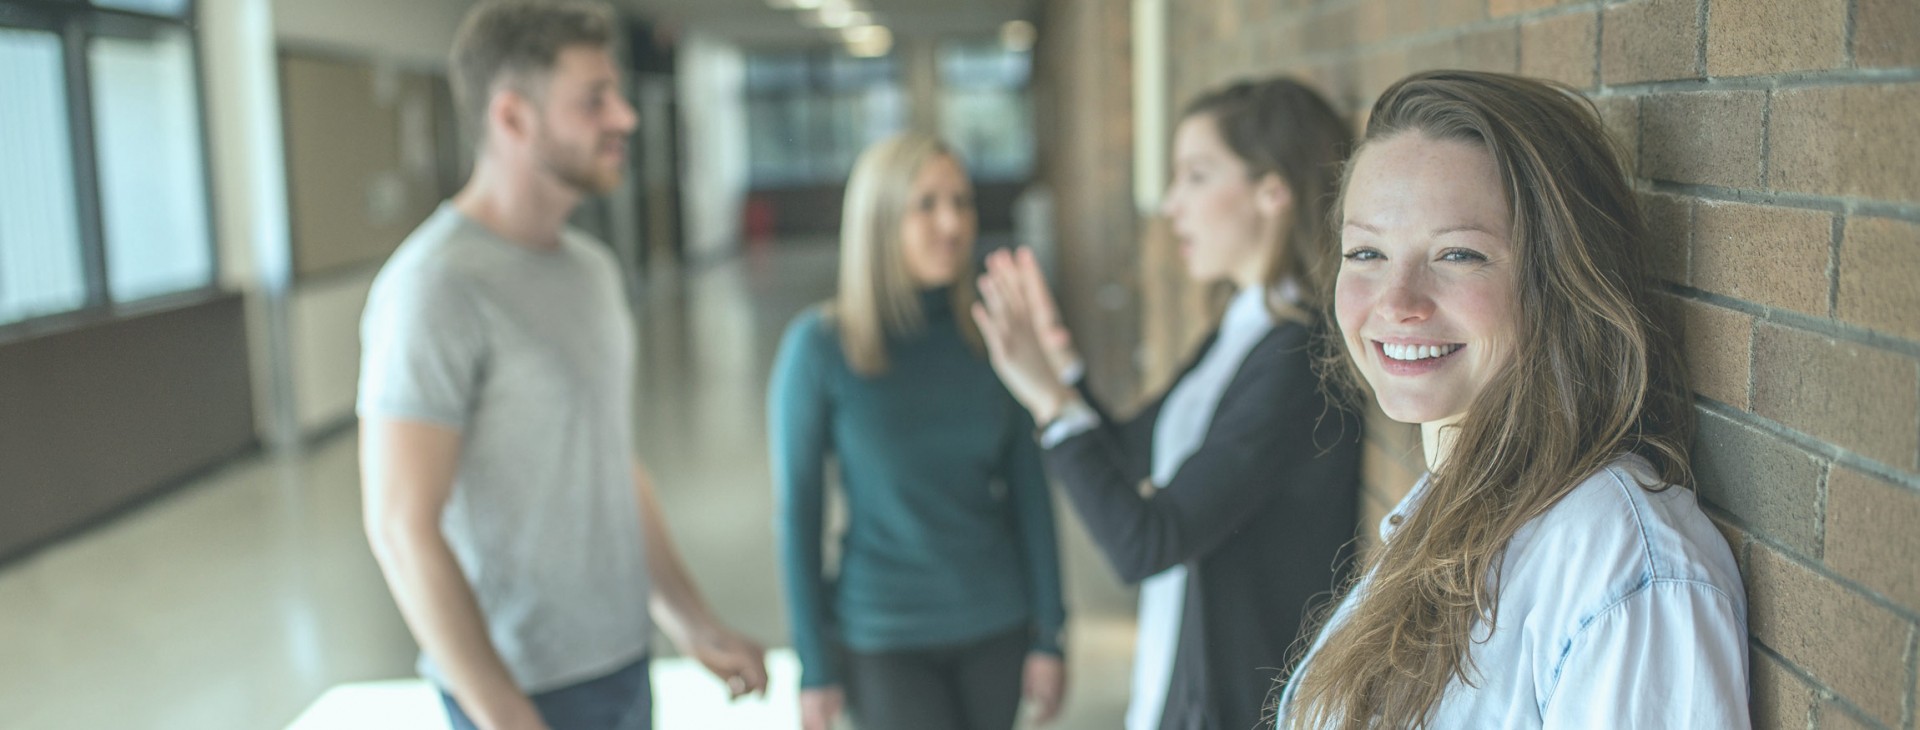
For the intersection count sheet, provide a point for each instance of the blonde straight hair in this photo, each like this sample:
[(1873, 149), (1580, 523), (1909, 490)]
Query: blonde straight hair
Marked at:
[(877, 298)]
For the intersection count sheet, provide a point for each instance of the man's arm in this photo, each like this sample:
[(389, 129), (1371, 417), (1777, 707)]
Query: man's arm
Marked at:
[(407, 475), (683, 613)]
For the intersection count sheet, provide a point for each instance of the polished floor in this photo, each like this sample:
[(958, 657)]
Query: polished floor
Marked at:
[(239, 599)]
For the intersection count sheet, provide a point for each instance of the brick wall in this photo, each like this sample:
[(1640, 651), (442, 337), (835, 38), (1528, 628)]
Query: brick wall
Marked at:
[(1085, 135), (1777, 144)]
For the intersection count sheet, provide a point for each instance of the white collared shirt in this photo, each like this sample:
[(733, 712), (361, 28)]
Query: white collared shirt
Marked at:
[(1618, 607)]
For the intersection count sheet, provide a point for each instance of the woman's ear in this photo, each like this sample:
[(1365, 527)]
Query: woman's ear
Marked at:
[(1272, 195)]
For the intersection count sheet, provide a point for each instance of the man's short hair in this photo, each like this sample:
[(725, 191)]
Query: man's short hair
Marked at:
[(517, 41)]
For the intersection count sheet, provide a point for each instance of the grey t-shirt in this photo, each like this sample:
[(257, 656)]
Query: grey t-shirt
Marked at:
[(530, 355)]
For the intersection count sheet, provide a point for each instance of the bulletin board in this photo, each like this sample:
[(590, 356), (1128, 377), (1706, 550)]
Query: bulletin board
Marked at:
[(365, 144)]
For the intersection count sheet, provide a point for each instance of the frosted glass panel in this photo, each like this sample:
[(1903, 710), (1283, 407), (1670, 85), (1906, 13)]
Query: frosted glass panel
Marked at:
[(152, 174), (40, 265)]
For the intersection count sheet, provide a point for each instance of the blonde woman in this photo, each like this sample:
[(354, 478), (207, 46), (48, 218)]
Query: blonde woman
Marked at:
[(946, 606), (1550, 570)]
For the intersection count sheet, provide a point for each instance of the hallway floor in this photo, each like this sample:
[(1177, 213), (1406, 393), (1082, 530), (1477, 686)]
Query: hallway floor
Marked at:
[(238, 599)]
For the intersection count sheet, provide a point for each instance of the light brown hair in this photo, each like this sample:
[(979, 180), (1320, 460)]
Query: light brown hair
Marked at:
[(1281, 126), (1596, 374), (517, 42), (876, 296)]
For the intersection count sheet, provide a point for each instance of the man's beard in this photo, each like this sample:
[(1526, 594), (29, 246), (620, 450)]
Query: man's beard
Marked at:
[(577, 169)]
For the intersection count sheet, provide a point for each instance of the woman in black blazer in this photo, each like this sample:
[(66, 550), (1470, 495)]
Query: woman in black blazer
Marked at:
[(1255, 472)]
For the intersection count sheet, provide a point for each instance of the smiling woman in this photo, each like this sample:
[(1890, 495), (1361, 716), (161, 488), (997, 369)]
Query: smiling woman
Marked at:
[(1544, 573)]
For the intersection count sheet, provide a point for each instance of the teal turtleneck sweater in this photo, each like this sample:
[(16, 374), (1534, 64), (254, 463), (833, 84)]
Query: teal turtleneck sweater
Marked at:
[(950, 525)]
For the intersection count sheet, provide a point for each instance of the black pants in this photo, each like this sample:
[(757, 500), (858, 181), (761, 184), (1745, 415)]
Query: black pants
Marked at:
[(971, 686)]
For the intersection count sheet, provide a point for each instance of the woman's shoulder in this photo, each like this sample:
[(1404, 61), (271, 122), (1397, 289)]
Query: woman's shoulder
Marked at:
[(1625, 529), (812, 336)]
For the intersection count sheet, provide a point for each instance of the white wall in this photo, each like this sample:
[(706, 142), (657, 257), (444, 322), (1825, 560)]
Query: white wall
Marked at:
[(411, 32), (241, 84), (714, 138)]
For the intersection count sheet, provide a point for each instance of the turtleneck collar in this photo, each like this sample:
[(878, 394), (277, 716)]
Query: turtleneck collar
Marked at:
[(936, 302)]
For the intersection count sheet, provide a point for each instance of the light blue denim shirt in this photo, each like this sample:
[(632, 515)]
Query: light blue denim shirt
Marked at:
[(1619, 607)]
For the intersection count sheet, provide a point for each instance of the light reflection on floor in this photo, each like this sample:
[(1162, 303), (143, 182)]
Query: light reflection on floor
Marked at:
[(238, 600)]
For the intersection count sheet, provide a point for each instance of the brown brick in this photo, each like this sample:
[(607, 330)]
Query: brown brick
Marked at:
[(1331, 30), (1494, 49), (1381, 70), (1378, 20), (1753, 37), (1650, 40), (1844, 140), (1772, 256), (1780, 700), (1719, 348), (1621, 116), (1737, 539), (1443, 53), (1452, 13), (1847, 643), (1670, 234), (1872, 536), (1832, 716), (1710, 137), (1561, 48), (1880, 276), (1853, 396), (1499, 8), (1767, 483), (1886, 33)]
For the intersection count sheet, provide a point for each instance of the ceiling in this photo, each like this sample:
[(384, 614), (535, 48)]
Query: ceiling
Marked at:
[(757, 23)]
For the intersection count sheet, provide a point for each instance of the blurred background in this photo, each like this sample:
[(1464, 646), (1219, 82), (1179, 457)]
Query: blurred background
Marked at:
[(196, 194)]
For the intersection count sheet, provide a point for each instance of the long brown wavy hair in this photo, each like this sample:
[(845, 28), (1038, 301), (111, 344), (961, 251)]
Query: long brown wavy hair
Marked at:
[(1281, 126), (1596, 374)]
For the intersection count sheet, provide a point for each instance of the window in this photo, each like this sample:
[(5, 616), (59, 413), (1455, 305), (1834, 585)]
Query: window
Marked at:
[(811, 114), (152, 174), (104, 199), (40, 255), (985, 109)]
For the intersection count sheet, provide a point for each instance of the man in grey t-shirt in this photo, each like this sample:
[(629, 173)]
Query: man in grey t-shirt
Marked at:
[(519, 535)]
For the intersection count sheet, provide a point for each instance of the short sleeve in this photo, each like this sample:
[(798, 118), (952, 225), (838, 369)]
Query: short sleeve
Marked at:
[(422, 349)]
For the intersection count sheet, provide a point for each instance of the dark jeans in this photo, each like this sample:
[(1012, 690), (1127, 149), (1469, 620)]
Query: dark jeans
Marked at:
[(622, 700), (971, 686)]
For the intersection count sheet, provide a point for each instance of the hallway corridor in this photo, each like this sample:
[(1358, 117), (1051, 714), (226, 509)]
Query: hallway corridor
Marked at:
[(236, 600)]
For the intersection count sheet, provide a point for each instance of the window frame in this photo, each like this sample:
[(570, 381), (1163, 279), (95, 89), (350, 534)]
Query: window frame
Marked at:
[(77, 23)]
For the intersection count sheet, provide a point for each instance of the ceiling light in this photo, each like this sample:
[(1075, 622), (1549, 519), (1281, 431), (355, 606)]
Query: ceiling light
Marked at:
[(868, 41), (1017, 36)]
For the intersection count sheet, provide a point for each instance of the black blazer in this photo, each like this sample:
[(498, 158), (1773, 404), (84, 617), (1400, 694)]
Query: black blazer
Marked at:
[(1262, 514)]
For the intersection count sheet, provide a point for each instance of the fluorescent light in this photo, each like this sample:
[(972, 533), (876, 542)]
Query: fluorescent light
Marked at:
[(1017, 35), (868, 41)]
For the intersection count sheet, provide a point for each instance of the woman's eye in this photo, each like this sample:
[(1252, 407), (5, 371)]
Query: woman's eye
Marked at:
[(1461, 255), (1361, 254)]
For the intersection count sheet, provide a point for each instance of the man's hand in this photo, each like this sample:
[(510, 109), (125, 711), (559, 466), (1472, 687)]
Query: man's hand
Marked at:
[(737, 660), (1044, 684), (820, 706)]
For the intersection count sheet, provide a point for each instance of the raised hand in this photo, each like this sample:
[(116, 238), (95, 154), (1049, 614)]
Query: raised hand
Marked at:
[(1055, 340), (1006, 319)]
